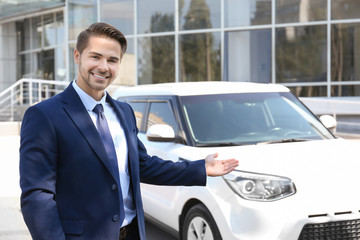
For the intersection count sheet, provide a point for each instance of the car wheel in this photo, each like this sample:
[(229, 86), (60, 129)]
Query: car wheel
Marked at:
[(200, 225)]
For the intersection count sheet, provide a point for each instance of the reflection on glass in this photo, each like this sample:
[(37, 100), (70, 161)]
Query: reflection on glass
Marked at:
[(199, 14), (244, 118), (37, 31), (49, 30), (156, 17), (60, 68), (247, 12), (72, 65), (345, 91), (60, 29), (345, 57), (200, 57), (156, 60), (301, 54), (82, 13), (161, 113), (119, 13), (25, 66), (309, 91), (288, 11), (139, 108), (127, 67), (248, 56), (345, 9), (45, 67), (23, 34)]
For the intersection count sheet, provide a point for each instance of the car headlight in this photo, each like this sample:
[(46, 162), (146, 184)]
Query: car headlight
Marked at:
[(259, 187)]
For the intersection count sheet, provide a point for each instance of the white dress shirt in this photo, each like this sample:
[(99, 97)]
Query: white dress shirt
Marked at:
[(118, 136)]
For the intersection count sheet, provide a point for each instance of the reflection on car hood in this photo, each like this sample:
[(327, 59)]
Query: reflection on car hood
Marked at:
[(325, 170)]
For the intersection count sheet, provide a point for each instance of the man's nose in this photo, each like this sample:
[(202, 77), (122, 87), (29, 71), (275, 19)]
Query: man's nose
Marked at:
[(103, 65)]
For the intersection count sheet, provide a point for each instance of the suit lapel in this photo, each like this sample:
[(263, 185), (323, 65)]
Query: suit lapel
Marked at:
[(79, 115)]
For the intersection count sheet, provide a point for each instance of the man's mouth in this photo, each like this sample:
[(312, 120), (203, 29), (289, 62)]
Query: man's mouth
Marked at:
[(99, 76)]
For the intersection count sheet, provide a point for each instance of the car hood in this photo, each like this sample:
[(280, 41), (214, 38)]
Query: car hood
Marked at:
[(324, 171)]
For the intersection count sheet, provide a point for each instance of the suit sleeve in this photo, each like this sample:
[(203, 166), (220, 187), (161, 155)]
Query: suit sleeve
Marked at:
[(155, 170), (38, 166)]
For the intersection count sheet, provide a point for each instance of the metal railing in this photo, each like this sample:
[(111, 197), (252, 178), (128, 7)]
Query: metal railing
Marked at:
[(18, 97), (15, 99)]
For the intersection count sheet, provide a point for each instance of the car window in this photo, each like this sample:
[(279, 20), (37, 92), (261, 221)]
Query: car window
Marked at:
[(249, 118), (161, 113), (139, 109)]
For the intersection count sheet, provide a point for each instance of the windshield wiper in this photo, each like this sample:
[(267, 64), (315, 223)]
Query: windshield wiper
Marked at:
[(285, 140), (220, 144)]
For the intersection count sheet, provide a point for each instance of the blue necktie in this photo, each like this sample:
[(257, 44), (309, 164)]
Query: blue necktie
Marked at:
[(105, 135)]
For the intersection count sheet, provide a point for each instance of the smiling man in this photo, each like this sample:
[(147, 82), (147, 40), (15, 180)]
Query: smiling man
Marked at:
[(98, 62), (81, 162)]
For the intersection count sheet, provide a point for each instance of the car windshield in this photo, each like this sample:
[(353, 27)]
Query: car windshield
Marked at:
[(250, 118)]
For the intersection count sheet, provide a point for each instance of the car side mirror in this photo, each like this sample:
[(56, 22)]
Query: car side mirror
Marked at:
[(329, 122), (161, 133)]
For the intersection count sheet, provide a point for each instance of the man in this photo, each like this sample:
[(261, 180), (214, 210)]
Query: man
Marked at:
[(80, 181)]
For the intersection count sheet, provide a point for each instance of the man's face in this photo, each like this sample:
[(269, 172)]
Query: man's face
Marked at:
[(98, 65)]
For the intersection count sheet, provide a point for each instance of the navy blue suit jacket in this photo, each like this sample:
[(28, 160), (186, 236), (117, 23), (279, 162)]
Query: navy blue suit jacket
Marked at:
[(68, 190)]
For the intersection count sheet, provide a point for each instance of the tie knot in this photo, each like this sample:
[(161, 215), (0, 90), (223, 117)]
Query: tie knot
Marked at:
[(98, 109)]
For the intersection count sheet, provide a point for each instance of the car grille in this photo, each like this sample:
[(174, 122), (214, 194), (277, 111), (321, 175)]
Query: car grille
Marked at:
[(340, 230)]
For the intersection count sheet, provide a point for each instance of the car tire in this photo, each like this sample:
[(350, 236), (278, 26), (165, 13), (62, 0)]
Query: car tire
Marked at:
[(200, 225)]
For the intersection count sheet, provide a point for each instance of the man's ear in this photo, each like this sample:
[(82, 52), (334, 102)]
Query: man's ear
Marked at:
[(76, 56)]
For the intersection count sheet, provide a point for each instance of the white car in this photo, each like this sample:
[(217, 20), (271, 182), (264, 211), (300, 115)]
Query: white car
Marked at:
[(295, 180)]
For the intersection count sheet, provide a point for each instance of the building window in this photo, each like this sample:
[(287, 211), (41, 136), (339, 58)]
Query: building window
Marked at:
[(200, 57), (41, 44), (37, 32), (49, 30), (345, 57), (127, 75), (81, 14), (199, 14), (156, 61), (345, 9), (248, 56), (159, 16), (119, 13), (247, 12), (301, 54), (309, 91), (345, 91), (300, 10)]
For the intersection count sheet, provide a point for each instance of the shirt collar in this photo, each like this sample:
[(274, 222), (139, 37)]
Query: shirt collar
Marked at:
[(86, 99)]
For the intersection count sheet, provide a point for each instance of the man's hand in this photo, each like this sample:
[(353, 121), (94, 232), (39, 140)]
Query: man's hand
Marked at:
[(219, 167)]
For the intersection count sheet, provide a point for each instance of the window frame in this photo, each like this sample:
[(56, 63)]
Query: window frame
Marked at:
[(173, 102)]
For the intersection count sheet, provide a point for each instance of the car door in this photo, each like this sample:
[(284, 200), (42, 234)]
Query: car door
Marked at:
[(158, 201)]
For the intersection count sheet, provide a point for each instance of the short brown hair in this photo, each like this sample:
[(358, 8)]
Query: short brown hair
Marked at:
[(101, 29)]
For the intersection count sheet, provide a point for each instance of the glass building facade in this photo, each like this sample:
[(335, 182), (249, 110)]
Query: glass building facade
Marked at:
[(311, 46)]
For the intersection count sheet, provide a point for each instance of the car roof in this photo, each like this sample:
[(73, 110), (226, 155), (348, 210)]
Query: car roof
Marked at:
[(198, 88)]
